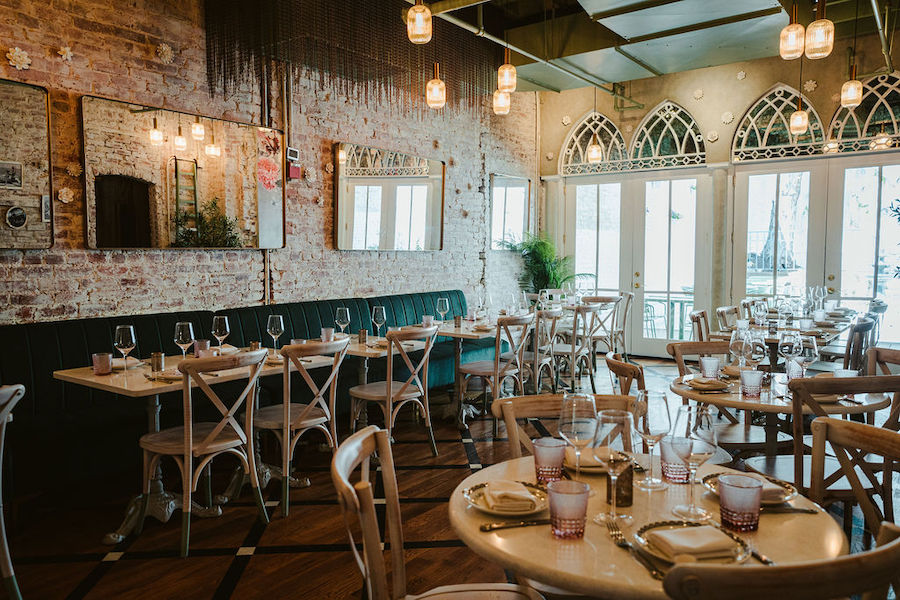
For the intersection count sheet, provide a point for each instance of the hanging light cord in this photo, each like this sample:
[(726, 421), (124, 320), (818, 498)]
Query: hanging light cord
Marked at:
[(855, 24)]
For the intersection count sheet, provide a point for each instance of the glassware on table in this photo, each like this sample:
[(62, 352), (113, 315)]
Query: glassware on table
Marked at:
[(443, 307), (544, 300), (754, 349), (751, 383), (549, 454), (578, 423), (739, 500), (275, 327), (568, 508), (736, 344), (709, 366), (694, 441), (342, 317), (612, 449), (809, 353), (327, 334), (673, 469), (124, 341), (653, 423), (220, 328), (184, 336), (378, 319), (790, 345), (102, 363), (760, 313)]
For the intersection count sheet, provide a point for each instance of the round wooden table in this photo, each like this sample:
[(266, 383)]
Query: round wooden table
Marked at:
[(774, 402), (594, 565)]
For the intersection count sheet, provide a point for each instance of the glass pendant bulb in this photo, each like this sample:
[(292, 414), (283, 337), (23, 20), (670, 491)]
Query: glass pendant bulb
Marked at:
[(436, 90), (501, 102), (819, 34), (851, 91), (180, 141), (594, 151), (799, 122), (418, 23), (882, 141), (198, 132), (156, 136), (506, 75), (793, 36), (212, 149)]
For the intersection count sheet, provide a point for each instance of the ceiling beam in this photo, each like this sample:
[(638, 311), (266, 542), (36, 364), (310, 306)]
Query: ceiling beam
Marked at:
[(707, 24), (445, 6), (624, 10), (638, 61)]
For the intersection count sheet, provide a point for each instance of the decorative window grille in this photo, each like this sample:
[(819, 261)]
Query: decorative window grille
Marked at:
[(667, 137), (363, 161), (573, 159), (764, 131), (854, 128)]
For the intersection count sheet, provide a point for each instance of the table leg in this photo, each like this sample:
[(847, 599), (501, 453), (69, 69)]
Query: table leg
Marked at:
[(362, 379), (771, 427)]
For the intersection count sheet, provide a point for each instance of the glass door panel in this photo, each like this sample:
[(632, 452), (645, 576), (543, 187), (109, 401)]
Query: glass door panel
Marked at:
[(598, 223)]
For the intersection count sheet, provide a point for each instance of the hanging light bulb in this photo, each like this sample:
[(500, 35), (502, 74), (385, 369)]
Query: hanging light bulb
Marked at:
[(342, 156), (180, 141), (501, 102), (831, 147), (792, 38), (156, 136), (212, 149), (418, 23), (594, 151), (506, 74), (799, 119), (851, 91), (435, 90), (882, 141), (819, 34), (198, 132)]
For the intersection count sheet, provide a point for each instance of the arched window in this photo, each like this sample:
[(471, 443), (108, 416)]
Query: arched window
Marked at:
[(573, 159), (363, 161), (764, 131), (667, 137), (878, 112)]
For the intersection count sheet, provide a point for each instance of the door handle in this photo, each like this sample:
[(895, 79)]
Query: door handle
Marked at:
[(637, 273), (637, 285), (831, 278), (831, 290)]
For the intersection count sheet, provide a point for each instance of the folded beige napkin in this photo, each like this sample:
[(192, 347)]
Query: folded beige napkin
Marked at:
[(732, 370), (169, 375), (228, 349), (587, 458), (703, 542), (772, 492), (509, 496), (706, 383), (119, 363)]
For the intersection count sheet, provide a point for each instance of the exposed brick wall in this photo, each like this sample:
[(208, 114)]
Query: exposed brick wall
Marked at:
[(114, 45)]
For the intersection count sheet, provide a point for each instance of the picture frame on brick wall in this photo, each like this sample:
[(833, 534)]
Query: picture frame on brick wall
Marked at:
[(11, 175), (46, 210), (16, 217)]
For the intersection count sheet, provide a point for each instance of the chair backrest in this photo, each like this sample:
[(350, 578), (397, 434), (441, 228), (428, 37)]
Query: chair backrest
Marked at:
[(881, 359), (544, 406), (844, 576), (727, 317), (678, 350), (699, 325), (515, 331), (357, 501), (851, 442), (546, 323), (858, 339), (9, 397), (194, 370), (294, 355), (624, 310), (586, 324), (418, 374), (627, 373), (609, 315), (747, 308)]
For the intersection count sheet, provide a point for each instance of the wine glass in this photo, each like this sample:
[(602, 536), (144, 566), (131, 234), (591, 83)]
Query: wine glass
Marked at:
[(275, 327), (544, 299), (124, 342), (578, 423), (612, 445), (220, 328), (443, 307), (694, 442), (760, 312), (790, 345), (809, 353), (342, 317), (184, 336), (378, 319), (653, 423), (753, 349), (736, 346)]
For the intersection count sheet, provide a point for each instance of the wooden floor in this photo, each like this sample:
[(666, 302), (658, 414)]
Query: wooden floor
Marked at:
[(57, 553)]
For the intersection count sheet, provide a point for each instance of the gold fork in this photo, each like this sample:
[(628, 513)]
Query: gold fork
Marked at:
[(619, 540)]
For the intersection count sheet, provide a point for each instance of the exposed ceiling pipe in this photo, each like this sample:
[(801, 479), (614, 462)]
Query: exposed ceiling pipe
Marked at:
[(885, 50), (480, 32)]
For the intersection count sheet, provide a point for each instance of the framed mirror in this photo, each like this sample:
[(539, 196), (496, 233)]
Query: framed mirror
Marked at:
[(387, 200), (163, 179), (26, 213), (510, 209)]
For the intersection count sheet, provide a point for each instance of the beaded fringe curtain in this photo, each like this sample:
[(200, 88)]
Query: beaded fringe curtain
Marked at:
[(356, 49)]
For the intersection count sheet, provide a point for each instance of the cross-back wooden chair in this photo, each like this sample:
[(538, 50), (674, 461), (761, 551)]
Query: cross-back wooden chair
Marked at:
[(540, 358), (878, 362), (515, 331), (607, 318), (868, 573), (204, 441), (853, 444), (625, 373), (9, 398), (620, 333), (289, 421), (727, 317), (392, 395), (854, 351), (699, 325), (578, 350), (357, 502), (747, 308)]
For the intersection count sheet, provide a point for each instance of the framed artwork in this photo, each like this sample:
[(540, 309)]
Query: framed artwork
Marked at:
[(46, 215), (16, 217), (11, 175)]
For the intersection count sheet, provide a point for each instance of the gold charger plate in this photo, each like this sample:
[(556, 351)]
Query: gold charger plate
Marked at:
[(474, 496), (741, 549)]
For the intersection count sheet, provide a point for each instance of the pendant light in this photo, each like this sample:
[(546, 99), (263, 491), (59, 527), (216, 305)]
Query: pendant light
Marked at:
[(852, 90), (156, 136), (418, 23), (180, 141), (212, 149), (342, 155), (501, 102), (819, 34), (594, 151), (792, 38), (506, 74), (435, 90), (799, 121), (198, 132)]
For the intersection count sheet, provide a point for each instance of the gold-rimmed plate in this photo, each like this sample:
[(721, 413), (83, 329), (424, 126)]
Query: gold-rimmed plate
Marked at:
[(742, 551), (474, 496), (711, 482)]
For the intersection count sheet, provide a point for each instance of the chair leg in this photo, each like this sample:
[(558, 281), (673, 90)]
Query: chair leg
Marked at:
[(9, 575), (254, 481), (185, 531), (591, 375), (207, 485), (286, 474), (145, 495), (426, 415)]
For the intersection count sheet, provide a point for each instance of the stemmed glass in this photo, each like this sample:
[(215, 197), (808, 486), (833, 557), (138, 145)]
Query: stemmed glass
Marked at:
[(443, 307), (694, 442), (184, 336), (275, 327), (378, 319), (809, 353), (220, 328), (753, 349), (822, 293), (736, 346), (760, 312), (790, 345), (124, 342), (653, 424), (342, 317), (612, 445), (578, 423)]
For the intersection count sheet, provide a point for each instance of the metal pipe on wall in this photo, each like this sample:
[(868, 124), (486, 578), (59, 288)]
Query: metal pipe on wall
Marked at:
[(885, 49)]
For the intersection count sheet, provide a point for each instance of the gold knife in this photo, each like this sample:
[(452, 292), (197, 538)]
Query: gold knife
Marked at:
[(513, 524)]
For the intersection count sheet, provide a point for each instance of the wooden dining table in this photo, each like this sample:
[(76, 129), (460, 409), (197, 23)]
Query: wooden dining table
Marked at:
[(468, 330), (594, 566)]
